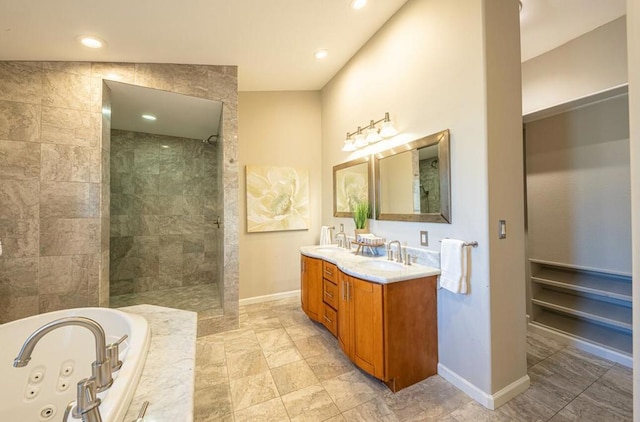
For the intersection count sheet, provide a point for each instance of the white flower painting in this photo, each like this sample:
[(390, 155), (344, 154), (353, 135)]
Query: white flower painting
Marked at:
[(351, 187), (277, 198)]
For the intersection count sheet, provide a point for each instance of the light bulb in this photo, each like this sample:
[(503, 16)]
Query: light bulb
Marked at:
[(359, 140), (91, 41), (387, 129), (372, 134), (348, 144)]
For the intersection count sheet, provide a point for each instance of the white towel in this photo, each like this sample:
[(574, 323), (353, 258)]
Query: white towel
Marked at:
[(453, 266), (325, 235)]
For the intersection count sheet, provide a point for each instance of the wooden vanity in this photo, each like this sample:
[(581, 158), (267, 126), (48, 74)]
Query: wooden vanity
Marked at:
[(388, 330)]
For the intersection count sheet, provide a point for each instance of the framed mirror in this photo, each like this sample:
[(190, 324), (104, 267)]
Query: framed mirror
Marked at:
[(352, 183), (413, 181)]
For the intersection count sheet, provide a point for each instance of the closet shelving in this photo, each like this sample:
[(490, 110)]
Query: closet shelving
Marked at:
[(590, 305)]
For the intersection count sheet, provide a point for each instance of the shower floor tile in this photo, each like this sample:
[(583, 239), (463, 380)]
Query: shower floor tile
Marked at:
[(203, 299)]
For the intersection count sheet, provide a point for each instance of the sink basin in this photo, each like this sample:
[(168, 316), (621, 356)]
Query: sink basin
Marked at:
[(381, 265), (328, 249)]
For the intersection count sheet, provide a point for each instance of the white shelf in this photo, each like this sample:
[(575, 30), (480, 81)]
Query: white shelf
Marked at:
[(587, 304), (601, 284), (611, 339), (597, 311)]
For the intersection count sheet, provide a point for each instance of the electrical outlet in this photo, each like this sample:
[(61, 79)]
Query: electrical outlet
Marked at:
[(424, 238)]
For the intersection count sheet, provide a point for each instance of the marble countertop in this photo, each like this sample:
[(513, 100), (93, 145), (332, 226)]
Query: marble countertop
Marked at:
[(168, 377), (376, 269)]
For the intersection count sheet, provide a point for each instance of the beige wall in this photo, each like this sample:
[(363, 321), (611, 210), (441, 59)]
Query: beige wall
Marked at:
[(594, 62), (579, 208), (506, 194), (278, 129), (427, 66)]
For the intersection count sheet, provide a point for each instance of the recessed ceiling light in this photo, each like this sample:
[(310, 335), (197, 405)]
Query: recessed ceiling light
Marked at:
[(321, 54), (91, 41), (149, 117), (358, 4)]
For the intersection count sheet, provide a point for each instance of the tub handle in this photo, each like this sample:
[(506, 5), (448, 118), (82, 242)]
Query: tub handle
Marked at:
[(113, 353), (67, 411), (142, 412)]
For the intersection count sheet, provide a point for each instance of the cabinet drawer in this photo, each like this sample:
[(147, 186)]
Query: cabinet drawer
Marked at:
[(330, 294), (330, 319), (330, 271)]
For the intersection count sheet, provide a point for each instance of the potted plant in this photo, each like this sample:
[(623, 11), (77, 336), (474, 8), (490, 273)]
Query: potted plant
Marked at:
[(361, 213)]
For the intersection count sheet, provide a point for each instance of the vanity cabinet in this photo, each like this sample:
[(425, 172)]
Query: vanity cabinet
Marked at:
[(311, 287), (360, 329), (330, 297), (388, 330)]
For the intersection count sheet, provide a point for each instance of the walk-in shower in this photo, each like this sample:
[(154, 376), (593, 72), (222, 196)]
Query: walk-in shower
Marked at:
[(165, 185)]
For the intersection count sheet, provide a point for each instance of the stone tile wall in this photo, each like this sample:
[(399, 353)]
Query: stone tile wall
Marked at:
[(54, 177), (163, 209)]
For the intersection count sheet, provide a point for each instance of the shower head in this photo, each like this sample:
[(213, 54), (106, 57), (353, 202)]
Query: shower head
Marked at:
[(211, 140)]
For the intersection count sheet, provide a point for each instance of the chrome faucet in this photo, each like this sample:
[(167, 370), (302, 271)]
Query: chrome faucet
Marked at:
[(390, 252), (101, 368), (342, 242), (87, 403)]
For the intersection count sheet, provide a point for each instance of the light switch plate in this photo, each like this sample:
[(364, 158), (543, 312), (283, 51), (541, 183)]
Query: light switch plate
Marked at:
[(424, 238), (502, 229)]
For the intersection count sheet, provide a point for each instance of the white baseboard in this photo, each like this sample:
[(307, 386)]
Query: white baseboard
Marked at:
[(269, 298), (490, 401), (586, 346)]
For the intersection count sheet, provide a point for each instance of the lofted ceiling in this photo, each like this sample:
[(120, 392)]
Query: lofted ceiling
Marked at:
[(271, 41), (547, 24)]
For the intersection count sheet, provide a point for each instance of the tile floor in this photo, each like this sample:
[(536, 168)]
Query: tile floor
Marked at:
[(280, 366), (203, 299)]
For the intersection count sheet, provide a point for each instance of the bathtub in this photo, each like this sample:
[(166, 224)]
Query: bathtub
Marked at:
[(42, 390)]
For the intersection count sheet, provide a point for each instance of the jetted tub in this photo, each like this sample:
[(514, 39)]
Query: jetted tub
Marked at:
[(42, 390)]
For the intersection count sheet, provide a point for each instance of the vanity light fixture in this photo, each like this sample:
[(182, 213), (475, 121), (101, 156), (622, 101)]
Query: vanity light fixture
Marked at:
[(372, 134), (348, 144), (149, 117), (359, 141), (91, 41)]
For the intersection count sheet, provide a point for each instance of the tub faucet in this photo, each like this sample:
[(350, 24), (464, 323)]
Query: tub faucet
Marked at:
[(87, 403), (390, 252), (101, 368)]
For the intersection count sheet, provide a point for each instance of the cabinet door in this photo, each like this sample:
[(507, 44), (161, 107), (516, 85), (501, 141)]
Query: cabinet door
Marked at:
[(344, 314), (366, 308), (311, 287)]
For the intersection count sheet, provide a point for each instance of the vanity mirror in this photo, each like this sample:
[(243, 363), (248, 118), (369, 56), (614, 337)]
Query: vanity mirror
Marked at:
[(412, 181), (352, 183)]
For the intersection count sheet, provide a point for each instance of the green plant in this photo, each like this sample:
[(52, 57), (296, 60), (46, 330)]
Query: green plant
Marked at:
[(361, 212)]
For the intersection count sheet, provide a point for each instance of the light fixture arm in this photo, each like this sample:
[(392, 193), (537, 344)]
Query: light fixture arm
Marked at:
[(368, 125)]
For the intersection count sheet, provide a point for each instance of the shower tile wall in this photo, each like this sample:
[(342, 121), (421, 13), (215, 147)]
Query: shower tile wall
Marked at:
[(54, 177), (163, 205)]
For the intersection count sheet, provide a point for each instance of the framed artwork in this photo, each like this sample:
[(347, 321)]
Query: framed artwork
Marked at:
[(277, 198), (351, 185)]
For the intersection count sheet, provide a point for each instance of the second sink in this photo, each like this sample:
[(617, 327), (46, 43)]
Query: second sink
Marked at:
[(381, 265)]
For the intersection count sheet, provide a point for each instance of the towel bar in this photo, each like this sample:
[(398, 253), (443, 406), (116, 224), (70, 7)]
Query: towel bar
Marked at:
[(473, 244)]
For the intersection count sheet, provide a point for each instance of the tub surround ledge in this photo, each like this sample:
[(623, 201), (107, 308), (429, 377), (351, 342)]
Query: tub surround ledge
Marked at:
[(168, 377)]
